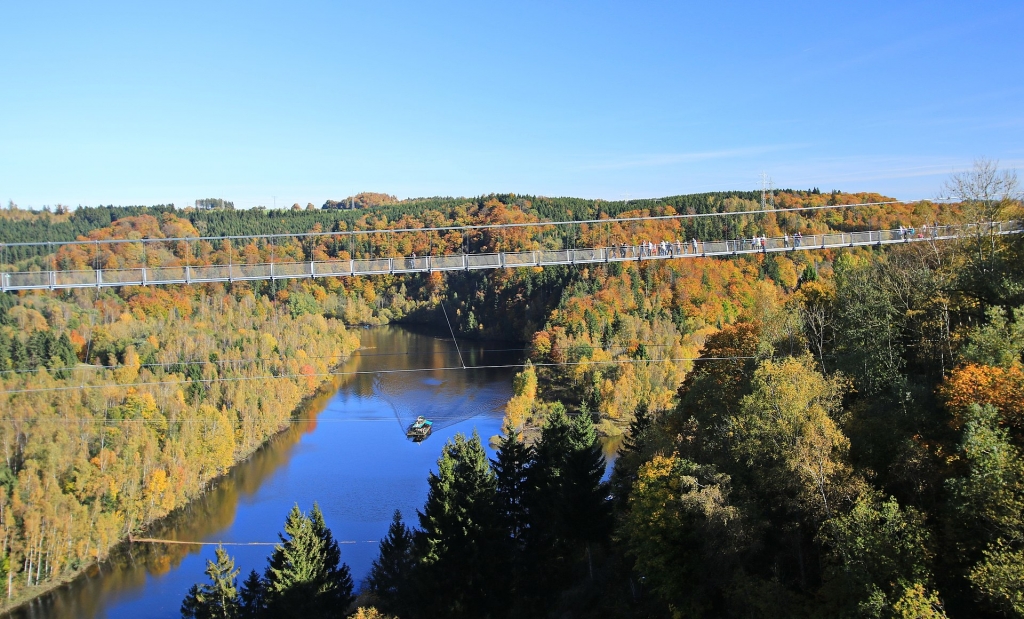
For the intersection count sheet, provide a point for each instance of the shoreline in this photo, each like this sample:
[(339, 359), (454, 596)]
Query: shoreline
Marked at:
[(123, 547)]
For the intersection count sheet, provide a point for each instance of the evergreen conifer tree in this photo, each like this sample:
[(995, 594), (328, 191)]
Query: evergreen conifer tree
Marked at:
[(5, 351), (545, 554), (545, 475), (303, 577), (252, 597), (585, 513), (391, 572), (512, 471), (66, 351), (630, 455), (632, 443), (19, 354), (459, 522), (567, 503), (217, 599), (335, 580)]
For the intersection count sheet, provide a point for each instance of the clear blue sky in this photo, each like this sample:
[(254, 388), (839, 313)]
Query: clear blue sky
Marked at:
[(138, 104)]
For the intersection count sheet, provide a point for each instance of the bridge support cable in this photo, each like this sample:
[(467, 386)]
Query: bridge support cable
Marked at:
[(464, 229)]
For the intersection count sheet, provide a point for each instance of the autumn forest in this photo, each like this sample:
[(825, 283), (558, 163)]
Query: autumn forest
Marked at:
[(832, 433)]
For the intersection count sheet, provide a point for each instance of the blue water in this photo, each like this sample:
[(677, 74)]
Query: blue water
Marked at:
[(351, 456)]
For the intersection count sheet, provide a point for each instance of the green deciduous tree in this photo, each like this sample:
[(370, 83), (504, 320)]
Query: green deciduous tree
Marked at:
[(787, 434), (988, 501), (876, 552), (683, 534), (987, 505), (1000, 342), (999, 577)]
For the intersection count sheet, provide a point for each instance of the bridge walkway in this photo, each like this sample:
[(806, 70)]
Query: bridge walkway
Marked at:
[(654, 250)]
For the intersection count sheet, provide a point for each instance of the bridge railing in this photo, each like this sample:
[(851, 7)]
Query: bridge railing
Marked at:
[(588, 255), (447, 262), (333, 268), (520, 258), (371, 265), (136, 276), (210, 273), (483, 261)]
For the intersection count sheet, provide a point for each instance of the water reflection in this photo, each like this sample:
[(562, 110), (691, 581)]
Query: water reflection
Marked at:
[(348, 451)]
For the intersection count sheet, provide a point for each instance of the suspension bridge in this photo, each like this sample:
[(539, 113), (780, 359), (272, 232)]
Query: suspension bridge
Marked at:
[(653, 249)]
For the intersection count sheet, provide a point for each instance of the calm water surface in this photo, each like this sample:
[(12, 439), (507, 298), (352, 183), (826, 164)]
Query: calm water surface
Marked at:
[(349, 453)]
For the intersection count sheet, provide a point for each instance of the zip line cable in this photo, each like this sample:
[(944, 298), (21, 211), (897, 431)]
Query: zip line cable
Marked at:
[(151, 540), (454, 340)]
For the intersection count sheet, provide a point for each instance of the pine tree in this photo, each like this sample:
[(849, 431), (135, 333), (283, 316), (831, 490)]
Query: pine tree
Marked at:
[(512, 472), (391, 572), (567, 503), (585, 514), (19, 354), (5, 351), (545, 474), (633, 441), (66, 351), (630, 455), (252, 597), (545, 554), (304, 576), (335, 580), (218, 599), (460, 529), (38, 348)]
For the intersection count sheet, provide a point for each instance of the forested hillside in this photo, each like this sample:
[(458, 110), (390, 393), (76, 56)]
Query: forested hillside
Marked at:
[(120, 406), (810, 434)]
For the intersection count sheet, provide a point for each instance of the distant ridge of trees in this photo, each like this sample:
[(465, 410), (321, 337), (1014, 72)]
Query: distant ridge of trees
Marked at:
[(366, 199), (214, 203), (21, 226)]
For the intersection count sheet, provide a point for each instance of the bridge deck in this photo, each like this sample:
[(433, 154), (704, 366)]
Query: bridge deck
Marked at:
[(154, 276)]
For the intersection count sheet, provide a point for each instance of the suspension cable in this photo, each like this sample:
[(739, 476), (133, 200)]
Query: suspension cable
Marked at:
[(469, 227)]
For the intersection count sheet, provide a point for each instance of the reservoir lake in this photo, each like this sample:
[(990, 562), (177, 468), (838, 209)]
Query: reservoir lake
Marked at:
[(346, 450)]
